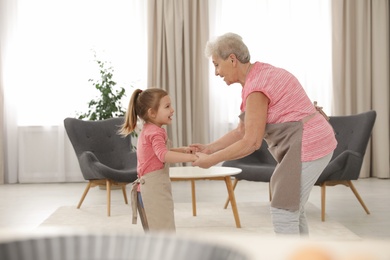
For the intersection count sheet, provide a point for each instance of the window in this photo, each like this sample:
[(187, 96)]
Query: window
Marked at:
[(54, 54)]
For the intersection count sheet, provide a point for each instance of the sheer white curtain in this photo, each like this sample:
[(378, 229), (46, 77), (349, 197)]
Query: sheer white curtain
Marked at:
[(293, 34), (49, 62), (361, 73)]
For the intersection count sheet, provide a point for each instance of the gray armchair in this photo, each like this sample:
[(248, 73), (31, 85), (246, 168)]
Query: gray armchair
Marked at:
[(105, 158), (352, 133)]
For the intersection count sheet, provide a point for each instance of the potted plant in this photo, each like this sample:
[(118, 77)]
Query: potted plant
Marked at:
[(109, 103)]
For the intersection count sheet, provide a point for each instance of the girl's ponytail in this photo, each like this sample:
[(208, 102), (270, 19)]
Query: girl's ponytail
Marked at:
[(131, 116)]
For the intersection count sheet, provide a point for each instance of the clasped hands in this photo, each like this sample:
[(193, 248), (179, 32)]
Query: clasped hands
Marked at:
[(202, 153)]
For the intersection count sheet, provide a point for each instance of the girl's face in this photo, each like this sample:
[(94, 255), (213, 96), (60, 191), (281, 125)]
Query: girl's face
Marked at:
[(164, 113), (225, 69)]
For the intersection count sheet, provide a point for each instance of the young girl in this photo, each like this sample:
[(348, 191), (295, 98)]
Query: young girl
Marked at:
[(151, 193)]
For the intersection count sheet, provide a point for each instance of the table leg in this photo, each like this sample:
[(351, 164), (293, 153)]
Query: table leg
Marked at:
[(232, 199), (193, 197)]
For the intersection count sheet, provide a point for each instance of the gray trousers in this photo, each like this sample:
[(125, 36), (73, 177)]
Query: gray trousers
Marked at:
[(294, 222)]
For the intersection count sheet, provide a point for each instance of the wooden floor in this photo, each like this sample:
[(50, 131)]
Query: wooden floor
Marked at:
[(27, 205)]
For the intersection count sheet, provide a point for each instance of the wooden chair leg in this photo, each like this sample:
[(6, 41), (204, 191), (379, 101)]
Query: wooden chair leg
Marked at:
[(234, 187), (323, 193), (84, 194), (269, 191), (108, 187), (358, 197), (124, 193)]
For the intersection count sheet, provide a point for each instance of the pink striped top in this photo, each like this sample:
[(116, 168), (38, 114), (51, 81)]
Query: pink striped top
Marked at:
[(288, 102), (151, 149)]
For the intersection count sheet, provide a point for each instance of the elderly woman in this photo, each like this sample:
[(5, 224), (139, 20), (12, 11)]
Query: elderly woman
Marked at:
[(276, 108)]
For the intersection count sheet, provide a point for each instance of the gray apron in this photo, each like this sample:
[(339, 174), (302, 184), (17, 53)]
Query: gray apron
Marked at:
[(284, 143)]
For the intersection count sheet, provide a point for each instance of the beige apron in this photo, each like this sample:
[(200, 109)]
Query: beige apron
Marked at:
[(157, 212), (284, 143)]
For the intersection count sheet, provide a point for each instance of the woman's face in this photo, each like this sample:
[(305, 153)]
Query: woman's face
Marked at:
[(225, 68)]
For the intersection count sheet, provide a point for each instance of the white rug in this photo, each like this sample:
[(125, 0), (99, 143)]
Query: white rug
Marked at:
[(211, 218)]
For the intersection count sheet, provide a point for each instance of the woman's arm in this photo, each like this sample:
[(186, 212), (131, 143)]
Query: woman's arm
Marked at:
[(223, 142), (254, 127), (228, 139)]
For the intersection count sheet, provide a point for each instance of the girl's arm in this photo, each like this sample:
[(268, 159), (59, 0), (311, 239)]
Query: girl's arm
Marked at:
[(184, 149), (178, 157), (175, 155)]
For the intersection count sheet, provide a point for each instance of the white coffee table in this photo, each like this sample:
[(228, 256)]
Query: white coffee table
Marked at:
[(192, 174)]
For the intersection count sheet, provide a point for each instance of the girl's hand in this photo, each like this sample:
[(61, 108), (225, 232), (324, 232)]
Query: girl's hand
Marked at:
[(187, 149), (202, 161), (184, 149)]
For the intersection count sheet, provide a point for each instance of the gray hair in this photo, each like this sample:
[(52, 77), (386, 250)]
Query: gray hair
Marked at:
[(226, 44)]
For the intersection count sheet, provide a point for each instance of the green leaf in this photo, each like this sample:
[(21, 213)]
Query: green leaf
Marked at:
[(108, 104)]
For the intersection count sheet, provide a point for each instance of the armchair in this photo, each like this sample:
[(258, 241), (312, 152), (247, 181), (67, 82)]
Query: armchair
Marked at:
[(352, 133), (105, 158)]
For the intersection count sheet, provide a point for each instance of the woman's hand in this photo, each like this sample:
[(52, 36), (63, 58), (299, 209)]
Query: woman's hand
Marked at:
[(202, 161), (195, 148)]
